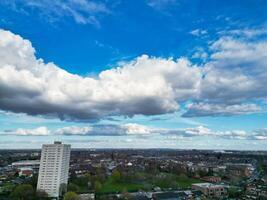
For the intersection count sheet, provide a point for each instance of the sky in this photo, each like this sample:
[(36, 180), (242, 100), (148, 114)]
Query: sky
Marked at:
[(134, 74)]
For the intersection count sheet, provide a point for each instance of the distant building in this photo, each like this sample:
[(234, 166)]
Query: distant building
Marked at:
[(34, 164), (54, 168), (26, 171), (210, 190), (239, 170), (87, 196), (212, 179)]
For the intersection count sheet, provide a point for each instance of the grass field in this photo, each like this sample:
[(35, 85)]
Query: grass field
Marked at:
[(168, 180), (185, 183), (112, 187)]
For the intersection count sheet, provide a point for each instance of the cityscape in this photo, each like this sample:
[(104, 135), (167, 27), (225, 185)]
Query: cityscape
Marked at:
[(132, 174), (133, 100)]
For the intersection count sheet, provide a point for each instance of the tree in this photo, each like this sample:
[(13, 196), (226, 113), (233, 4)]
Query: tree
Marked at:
[(71, 196), (73, 187), (41, 194), (98, 186), (82, 181), (116, 176), (126, 195), (234, 192), (100, 175), (23, 192), (62, 189), (202, 173), (33, 181), (8, 187), (183, 177)]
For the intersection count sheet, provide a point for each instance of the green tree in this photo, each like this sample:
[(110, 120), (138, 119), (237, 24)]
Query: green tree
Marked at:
[(8, 187), (73, 187), (98, 186), (116, 176), (23, 192), (82, 181), (126, 195), (234, 192), (183, 177), (100, 175), (71, 196), (202, 173)]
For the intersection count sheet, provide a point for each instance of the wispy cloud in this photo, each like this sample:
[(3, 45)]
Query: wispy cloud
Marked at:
[(198, 32), (220, 109), (162, 5), (81, 11), (245, 32)]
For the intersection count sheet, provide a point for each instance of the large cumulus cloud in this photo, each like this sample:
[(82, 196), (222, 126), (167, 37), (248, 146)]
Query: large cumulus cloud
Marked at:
[(145, 86), (228, 84)]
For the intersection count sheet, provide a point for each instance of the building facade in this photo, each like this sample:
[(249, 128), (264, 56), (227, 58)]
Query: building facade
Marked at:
[(210, 190), (54, 168)]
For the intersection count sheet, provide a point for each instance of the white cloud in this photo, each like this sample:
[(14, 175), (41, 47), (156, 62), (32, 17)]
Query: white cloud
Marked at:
[(213, 109), (234, 134), (198, 131), (235, 77), (260, 137), (204, 131), (142, 131), (245, 32), (40, 131), (74, 130), (187, 132), (238, 53), (144, 86), (201, 55), (198, 32), (237, 72), (161, 4), (131, 128), (107, 130), (260, 134), (81, 11)]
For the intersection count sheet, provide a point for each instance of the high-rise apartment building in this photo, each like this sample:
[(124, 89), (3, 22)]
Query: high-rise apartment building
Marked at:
[(54, 168)]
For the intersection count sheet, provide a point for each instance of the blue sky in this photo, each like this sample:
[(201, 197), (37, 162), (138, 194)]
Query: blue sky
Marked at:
[(154, 73)]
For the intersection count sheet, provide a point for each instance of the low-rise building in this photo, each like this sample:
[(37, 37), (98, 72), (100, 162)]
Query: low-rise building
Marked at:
[(210, 190), (212, 179), (87, 196), (34, 164), (26, 171)]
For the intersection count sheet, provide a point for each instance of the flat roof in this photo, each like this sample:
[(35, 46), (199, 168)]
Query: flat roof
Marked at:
[(27, 162), (207, 185)]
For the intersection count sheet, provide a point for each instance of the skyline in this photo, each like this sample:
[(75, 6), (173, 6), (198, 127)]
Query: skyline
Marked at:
[(149, 74)]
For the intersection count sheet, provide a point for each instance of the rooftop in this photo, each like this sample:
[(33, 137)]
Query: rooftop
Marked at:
[(207, 185)]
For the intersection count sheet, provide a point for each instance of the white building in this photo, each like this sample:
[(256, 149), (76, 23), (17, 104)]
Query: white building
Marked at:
[(54, 168)]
